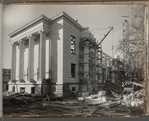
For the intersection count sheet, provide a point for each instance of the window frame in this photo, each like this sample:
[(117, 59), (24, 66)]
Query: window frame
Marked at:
[(74, 43)]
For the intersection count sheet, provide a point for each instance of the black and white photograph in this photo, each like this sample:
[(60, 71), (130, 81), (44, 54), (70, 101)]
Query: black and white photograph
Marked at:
[(74, 60)]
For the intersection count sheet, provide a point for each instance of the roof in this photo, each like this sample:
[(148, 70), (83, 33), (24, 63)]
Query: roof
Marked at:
[(30, 23), (48, 20)]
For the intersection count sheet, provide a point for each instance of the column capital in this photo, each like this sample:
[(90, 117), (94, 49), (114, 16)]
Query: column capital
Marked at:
[(23, 41), (13, 44), (31, 36), (43, 30)]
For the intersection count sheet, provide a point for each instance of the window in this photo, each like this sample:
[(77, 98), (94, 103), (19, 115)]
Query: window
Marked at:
[(22, 89), (32, 90), (73, 39), (73, 88), (73, 66)]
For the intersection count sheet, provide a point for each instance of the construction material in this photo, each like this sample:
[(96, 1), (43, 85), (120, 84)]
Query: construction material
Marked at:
[(96, 104), (96, 98)]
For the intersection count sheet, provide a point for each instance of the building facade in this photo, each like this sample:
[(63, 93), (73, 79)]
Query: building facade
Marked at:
[(45, 55), (6, 78)]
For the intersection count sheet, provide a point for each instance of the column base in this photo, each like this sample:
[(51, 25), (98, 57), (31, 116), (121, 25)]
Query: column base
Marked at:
[(58, 90)]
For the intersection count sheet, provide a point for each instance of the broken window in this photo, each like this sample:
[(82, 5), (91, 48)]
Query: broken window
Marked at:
[(73, 66), (73, 39)]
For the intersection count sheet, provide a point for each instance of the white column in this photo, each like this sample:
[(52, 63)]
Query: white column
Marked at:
[(59, 82), (21, 59), (60, 58), (17, 61), (47, 51), (31, 58), (13, 63), (25, 62), (36, 59), (42, 55)]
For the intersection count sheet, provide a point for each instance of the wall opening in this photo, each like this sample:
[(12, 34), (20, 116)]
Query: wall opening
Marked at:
[(32, 90), (73, 41), (73, 70), (22, 89), (73, 89)]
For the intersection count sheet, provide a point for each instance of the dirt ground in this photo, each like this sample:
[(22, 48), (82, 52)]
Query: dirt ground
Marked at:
[(67, 108)]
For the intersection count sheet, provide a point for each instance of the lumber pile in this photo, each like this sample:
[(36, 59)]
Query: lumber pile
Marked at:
[(19, 98), (133, 99)]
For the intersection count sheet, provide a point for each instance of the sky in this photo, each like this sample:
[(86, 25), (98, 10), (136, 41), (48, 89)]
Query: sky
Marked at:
[(97, 17)]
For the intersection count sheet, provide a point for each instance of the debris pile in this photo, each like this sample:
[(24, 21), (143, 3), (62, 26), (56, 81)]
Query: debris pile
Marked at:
[(133, 99), (96, 98), (19, 99), (99, 104), (24, 98)]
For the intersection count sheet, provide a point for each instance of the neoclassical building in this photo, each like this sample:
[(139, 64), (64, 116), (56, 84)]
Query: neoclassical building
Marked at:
[(45, 55)]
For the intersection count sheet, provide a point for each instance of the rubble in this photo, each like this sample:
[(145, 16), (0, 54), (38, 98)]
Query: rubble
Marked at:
[(99, 104), (94, 99), (133, 99), (8, 93)]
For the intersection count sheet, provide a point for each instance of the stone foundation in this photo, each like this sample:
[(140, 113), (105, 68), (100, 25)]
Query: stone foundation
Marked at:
[(57, 90), (36, 87), (44, 87), (28, 86)]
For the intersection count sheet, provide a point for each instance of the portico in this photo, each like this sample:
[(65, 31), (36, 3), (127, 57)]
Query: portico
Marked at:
[(28, 56)]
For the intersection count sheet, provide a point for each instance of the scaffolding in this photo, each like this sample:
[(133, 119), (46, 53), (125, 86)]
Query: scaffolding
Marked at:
[(90, 65)]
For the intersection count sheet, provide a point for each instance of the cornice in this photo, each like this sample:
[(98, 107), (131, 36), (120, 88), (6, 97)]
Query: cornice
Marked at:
[(43, 17), (30, 23)]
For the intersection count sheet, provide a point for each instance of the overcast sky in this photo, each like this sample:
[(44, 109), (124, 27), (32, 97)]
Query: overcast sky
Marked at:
[(97, 17)]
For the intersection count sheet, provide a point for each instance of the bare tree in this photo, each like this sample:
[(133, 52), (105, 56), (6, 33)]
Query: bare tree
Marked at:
[(131, 46)]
